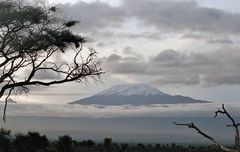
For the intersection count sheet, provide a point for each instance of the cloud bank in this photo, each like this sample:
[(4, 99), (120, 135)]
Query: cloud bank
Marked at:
[(98, 111), (164, 15), (132, 18), (220, 67)]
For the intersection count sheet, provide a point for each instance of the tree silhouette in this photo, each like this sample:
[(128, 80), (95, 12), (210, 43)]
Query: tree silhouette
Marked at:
[(31, 38), (32, 142), (5, 142), (234, 124), (64, 144), (107, 143)]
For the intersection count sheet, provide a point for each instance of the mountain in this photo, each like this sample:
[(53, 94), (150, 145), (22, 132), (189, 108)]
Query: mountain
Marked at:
[(131, 89), (135, 94)]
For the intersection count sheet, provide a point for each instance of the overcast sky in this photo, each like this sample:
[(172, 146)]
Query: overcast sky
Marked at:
[(187, 47)]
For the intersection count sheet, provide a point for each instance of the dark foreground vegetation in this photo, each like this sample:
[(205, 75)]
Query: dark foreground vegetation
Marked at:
[(34, 142)]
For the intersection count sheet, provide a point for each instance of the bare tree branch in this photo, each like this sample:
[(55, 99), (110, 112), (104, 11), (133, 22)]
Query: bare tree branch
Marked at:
[(234, 124), (193, 126)]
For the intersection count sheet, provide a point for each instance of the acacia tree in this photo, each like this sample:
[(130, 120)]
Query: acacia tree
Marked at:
[(234, 124), (30, 36)]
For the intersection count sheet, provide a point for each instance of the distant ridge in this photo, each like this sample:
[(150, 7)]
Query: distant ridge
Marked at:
[(135, 94)]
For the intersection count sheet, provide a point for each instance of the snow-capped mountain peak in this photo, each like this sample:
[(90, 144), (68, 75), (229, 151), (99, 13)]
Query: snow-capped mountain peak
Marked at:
[(134, 94), (131, 89)]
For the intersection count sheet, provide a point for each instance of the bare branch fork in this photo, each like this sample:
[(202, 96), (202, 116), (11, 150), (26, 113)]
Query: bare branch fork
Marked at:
[(233, 124)]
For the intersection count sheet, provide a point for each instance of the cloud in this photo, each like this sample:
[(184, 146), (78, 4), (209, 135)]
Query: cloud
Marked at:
[(183, 16), (221, 41), (101, 44), (128, 50), (209, 38), (195, 36), (47, 75), (172, 67), (42, 75), (93, 16), (100, 111), (145, 35), (119, 65), (169, 66), (164, 15)]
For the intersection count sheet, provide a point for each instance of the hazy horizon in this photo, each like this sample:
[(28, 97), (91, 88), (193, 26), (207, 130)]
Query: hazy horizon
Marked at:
[(134, 124)]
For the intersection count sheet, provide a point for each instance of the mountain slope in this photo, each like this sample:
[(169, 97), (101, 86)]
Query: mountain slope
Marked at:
[(135, 94)]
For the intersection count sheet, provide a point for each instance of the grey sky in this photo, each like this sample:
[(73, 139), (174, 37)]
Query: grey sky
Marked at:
[(180, 46)]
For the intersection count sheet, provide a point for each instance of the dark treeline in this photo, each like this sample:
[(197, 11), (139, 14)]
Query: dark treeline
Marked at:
[(34, 142)]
